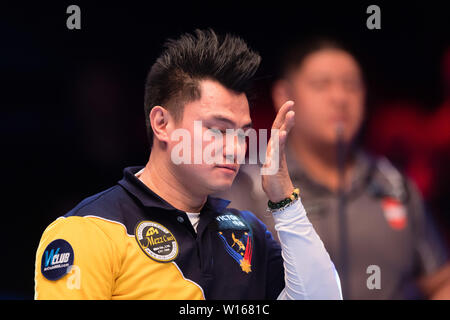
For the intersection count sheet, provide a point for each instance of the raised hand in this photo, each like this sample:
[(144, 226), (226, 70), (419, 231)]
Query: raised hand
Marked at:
[(277, 184)]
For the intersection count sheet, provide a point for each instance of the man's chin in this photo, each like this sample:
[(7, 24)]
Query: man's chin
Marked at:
[(221, 187)]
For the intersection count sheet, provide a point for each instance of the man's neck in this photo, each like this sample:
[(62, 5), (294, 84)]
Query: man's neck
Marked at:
[(320, 162), (161, 180)]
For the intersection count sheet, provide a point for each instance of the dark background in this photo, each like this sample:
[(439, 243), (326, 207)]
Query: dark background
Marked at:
[(72, 100)]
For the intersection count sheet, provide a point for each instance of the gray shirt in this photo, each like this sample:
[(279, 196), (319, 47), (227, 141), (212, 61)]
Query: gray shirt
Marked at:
[(381, 241)]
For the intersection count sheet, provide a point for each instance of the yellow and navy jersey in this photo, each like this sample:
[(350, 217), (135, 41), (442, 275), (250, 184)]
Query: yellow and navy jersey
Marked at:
[(128, 243)]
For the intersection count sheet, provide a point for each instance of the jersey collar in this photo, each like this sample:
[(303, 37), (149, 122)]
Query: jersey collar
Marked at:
[(150, 199)]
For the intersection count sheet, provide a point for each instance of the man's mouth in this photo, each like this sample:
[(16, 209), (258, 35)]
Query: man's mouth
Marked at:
[(231, 167)]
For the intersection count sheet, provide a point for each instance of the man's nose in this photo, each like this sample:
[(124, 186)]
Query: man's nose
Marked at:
[(338, 93), (339, 97), (234, 147)]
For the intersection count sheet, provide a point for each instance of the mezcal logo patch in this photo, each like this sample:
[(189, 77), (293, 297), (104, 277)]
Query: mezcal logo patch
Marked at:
[(156, 241)]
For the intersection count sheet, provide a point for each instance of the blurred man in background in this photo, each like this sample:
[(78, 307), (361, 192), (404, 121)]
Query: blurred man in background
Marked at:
[(369, 216), (423, 155)]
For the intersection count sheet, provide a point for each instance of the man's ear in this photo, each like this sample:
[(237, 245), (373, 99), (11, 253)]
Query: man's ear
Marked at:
[(280, 93), (160, 120)]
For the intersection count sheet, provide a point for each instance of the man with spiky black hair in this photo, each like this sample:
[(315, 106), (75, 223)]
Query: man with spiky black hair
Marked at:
[(158, 234)]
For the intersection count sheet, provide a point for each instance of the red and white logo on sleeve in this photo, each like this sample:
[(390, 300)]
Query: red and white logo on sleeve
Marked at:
[(394, 212)]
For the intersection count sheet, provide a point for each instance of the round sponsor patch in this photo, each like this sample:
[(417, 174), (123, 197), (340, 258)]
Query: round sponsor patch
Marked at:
[(57, 259), (156, 241)]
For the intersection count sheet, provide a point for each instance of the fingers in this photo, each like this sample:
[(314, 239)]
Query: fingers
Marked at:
[(288, 122), (281, 115), (286, 127), (284, 121)]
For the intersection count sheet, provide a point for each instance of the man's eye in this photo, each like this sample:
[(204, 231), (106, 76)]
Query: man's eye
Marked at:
[(216, 131), (352, 85), (319, 84), (241, 136)]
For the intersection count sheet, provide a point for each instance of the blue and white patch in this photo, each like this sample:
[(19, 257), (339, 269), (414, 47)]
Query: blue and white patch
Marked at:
[(57, 259)]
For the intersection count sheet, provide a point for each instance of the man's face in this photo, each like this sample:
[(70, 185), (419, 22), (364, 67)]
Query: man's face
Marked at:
[(328, 92), (218, 109)]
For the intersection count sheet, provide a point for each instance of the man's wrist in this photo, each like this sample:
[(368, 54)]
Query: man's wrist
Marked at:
[(293, 196), (292, 210), (283, 193)]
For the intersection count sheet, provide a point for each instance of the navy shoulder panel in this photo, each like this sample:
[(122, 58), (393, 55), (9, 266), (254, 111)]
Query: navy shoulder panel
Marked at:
[(109, 204)]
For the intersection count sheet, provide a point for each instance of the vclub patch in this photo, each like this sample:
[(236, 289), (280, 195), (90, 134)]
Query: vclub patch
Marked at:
[(57, 259), (156, 241), (236, 237)]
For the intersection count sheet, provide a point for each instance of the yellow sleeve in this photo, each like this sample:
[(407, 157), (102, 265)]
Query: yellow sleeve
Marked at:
[(95, 261)]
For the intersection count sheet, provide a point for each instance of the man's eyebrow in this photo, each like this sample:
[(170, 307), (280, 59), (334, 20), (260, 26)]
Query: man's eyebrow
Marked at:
[(230, 122), (248, 125)]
